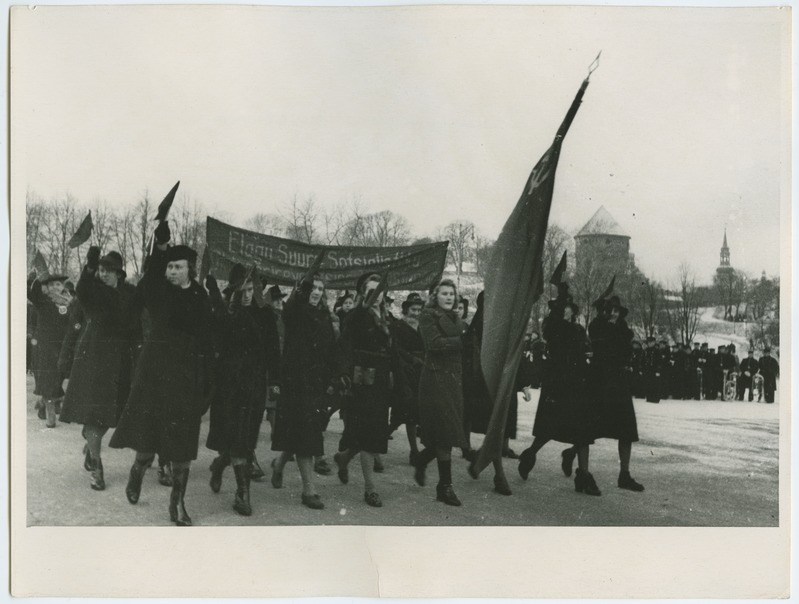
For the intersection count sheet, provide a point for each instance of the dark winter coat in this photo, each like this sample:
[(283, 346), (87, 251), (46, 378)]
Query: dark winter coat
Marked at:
[(99, 382), (168, 394), (308, 366), (52, 322), (367, 354), (770, 370), (77, 324), (248, 349), (612, 349), (566, 411), (410, 352), (653, 373), (440, 385)]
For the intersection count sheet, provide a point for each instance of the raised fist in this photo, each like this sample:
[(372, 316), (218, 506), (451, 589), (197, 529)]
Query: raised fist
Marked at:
[(162, 232), (93, 258), (210, 283)]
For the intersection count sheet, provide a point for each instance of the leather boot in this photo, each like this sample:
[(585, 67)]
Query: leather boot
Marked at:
[(177, 508), (49, 409), (444, 490), (254, 468), (526, 462), (584, 483), (97, 480), (628, 482), (567, 460), (242, 501), (424, 457), (133, 488), (164, 475), (217, 468), (87, 458)]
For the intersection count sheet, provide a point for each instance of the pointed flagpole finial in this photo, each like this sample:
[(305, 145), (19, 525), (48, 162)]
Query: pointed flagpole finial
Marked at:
[(593, 66)]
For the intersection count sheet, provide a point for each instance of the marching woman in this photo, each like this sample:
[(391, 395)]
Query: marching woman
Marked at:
[(565, 411), (51, 300), (410, 353), (308, 367), (248, 347), (167, 397), (368, 360), (611, 339), (99, 382), (440, 388)]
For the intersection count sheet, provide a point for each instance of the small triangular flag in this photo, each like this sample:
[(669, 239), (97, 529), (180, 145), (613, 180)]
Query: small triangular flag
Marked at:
[(164, 206), (83, 233)]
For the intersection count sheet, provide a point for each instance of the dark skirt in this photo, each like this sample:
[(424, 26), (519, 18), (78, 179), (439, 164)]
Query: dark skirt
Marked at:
[(617, 412), (166, 402), (366, 426), (298, 421), (566, 412), (49, 379)]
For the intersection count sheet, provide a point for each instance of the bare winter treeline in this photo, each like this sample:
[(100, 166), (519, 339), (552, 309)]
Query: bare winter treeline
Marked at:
[(670, 310)]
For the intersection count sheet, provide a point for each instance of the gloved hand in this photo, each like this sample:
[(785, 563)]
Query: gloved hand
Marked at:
[(162, 232), (210, 283), (93, 258)]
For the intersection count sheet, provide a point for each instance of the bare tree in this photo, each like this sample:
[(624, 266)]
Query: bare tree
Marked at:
[(35, 217), (126, 236), (682, 306), (187, 222), (302, 219), (268, 224), (460, 234), (59, 225), (730, 286)]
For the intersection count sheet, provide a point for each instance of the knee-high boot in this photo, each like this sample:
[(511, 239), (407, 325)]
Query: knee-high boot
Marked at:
[(177, 508), (444, 490), (137, 470), (241, 503), (217, 468)]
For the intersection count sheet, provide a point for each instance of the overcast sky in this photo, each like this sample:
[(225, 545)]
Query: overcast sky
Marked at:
[(435, 113)]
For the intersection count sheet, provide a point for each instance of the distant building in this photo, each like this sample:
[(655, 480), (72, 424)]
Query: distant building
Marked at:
[(724, 269), (602, 240)]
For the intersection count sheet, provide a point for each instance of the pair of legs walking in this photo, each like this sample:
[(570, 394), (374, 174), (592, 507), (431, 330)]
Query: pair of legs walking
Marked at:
[(305, 463), (243, 469), (370, 463), (443, 457), (180, 480)]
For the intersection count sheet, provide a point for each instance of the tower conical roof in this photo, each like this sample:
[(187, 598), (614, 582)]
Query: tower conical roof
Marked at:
[(724, 245), (602, 223)]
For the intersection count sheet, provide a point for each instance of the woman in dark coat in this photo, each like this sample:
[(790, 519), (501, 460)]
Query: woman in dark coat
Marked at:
[(441, 388), (99, 381), (410, 353), (51, 300), (77, 324), (611, 339), (248, 348), (308, 367), (167, 398), (565, 410), (367, 357)]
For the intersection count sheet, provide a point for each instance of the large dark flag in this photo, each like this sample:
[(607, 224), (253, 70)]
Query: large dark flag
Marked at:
[(83, 233), (514, 282)]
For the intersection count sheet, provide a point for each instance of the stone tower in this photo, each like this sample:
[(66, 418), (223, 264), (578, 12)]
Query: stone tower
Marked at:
[(602, 240)]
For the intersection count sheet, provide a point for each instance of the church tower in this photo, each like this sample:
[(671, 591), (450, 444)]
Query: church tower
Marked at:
[(724, 261)]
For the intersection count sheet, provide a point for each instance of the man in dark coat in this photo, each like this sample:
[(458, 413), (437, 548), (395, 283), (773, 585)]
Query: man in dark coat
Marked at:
[(77, 321), (694, 389), (652, 366), (168, 395), (770, 370), (99, 382), (749, 367), (51, 300), (728, 367), (710, 375)]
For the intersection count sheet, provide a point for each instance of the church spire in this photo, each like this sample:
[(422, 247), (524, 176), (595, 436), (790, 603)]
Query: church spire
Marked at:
[(725, 251)]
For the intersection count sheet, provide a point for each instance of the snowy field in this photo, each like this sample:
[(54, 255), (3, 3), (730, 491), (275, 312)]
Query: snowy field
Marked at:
[(704, 463)]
